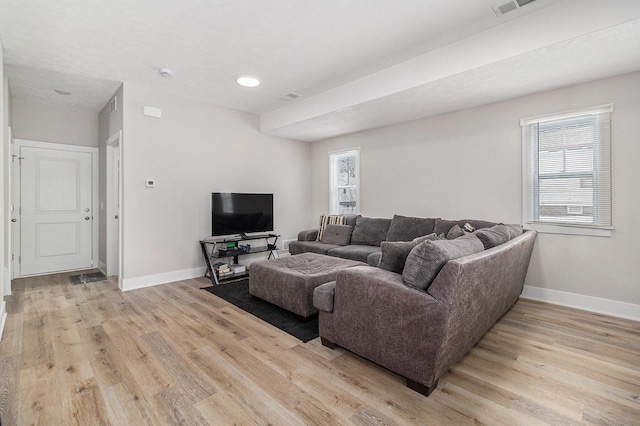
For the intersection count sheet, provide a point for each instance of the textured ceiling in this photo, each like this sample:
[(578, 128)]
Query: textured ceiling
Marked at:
[(311, 48)]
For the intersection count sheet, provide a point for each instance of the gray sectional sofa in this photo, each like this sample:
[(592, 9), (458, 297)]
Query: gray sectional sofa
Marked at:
[(360, 238), (428, 298)]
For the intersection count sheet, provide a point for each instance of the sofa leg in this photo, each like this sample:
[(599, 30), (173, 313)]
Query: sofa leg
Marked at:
[(420, 388), (328, 343)]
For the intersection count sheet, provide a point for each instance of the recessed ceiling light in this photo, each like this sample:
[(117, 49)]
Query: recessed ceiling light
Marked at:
[(62, 92), (165, 72), (248, 81)]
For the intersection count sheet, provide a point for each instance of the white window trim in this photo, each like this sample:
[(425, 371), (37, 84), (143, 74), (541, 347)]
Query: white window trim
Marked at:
[(332, 176), (552, 228)]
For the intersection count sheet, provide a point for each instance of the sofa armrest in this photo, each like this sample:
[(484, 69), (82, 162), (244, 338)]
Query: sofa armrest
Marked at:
[(308, 235), (378, 317), (478, 289)]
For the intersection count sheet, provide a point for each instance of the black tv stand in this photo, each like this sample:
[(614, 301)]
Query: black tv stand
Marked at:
[(214, 248)]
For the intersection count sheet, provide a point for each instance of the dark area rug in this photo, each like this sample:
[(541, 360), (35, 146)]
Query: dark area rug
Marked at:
[(237, 293), (87, 278)]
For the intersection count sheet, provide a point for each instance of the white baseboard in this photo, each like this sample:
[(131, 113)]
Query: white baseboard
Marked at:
[(168, 277), (587, 303), (3, 317), (7, 282)]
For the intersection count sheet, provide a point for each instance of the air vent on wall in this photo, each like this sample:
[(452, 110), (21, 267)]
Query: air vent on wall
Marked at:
[(290, 97), (113, 105), (501, 9)]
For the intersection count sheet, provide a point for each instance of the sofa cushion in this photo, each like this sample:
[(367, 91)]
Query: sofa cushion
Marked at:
[(403, 228), (493, 236), (337, 234), (326, 219), (298, 247), (443, 226), (323, 296), (374, 258), (426, 259), (353, 252), (370, 231)]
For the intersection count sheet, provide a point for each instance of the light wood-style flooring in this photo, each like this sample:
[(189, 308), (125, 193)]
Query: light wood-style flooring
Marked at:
[(175, 354)]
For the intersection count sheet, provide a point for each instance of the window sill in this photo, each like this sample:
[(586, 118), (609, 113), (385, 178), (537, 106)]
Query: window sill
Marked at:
[(547, 228)]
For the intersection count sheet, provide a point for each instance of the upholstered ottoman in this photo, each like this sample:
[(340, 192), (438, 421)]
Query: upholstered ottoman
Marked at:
[(289, 281)]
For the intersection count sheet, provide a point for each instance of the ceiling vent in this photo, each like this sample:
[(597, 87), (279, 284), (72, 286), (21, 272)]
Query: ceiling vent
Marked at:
[(501, 9), (290, 97)]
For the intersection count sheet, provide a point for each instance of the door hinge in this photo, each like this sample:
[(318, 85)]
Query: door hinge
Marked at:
[(20, 259), (12, 257)]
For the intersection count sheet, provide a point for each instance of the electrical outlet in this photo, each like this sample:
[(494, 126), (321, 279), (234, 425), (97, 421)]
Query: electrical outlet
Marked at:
[(285, 244)]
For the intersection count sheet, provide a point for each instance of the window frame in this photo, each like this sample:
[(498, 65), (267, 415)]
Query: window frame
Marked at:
[(333, 185), (531, 172)]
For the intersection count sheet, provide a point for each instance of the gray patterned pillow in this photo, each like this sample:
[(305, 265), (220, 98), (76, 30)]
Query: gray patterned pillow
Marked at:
[(426, 259)]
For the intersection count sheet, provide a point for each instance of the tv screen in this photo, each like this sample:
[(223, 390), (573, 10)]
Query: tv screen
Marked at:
[(236, 213)]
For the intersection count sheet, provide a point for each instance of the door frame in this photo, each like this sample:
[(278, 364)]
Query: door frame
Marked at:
[(114, 233), (16, 202)]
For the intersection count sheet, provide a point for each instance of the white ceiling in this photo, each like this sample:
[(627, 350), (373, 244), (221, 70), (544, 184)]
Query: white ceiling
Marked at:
[(357, 64)]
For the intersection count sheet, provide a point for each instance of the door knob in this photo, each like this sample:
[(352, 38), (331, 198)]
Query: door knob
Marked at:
[(86, 218), (14, 220), (86, 210), (116, 217)]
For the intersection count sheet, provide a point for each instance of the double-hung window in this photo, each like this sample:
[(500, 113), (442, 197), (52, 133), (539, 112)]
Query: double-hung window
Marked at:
[(344, 194), (567, 172)]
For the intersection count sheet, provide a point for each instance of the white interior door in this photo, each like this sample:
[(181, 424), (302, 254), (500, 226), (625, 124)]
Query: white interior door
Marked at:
[(113, 204), (56, 218)]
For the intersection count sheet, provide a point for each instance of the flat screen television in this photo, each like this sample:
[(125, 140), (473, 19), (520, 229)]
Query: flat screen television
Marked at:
[(239, 213)]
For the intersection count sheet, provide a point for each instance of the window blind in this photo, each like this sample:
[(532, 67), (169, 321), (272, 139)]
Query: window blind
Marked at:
[(568, 168)]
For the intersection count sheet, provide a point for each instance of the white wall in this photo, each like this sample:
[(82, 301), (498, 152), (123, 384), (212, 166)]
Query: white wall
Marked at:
[(5, 285), (195, 149), (467, 164), (54, 123)]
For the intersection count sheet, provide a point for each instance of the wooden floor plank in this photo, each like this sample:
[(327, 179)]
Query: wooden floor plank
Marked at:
[(176, 354)]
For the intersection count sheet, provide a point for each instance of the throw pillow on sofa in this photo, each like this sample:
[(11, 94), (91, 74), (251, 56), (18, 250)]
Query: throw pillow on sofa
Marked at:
[(426, 259), (459, 231), (394, 253), (326, 220), (370, 231), (430, 237), (337, 234), (443, 226), (515, 230), (405, 228), (493, 236)]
